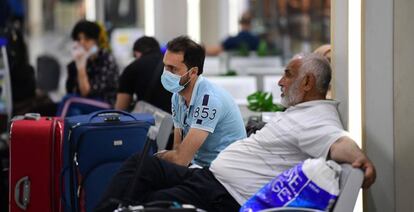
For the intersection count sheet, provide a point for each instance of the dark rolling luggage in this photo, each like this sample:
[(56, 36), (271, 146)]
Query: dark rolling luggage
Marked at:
[(95, 147), (35, 163)]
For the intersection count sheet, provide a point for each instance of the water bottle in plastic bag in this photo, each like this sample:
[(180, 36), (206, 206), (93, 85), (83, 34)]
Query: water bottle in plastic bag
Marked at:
[(311, 184)]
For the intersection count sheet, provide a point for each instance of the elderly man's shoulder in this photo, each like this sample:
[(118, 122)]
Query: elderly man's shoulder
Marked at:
[(316, 105), (314, 111)]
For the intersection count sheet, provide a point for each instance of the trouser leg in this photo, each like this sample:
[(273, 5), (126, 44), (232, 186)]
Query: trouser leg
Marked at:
[(155, 174), (201, 189)]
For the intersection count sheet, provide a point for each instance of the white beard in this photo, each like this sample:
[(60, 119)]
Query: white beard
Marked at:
[(292, 95)]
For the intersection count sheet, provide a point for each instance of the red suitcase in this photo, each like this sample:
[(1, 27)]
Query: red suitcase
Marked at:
[(35, 163)]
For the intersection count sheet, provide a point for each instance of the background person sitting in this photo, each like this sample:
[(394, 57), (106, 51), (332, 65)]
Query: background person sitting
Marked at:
[(244, 39), (93, 73), (143, 77), (325, 50)]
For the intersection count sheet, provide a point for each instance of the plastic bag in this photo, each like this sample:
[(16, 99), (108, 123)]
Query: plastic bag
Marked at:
[(311, 184)]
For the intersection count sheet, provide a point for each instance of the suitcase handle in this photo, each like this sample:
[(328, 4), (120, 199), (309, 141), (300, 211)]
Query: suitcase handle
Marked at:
[(110, 113), (27, 116), (23, 201)]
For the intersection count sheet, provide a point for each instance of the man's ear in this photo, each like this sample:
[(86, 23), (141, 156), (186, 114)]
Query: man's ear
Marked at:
[(137, 54), (194, 71), (308, 82)]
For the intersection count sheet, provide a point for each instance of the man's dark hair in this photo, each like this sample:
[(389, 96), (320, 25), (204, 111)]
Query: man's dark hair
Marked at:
[(146, 45), (194, 53), (90, 29)]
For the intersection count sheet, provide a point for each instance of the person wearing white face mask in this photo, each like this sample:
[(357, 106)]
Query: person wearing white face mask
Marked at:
[(206, 118), (93, 73)]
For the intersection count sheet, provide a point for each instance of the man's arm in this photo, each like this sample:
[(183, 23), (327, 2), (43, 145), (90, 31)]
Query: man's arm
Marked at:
[(347, 151), (183, 153), (178, 136), (214, 50), (123, 100)]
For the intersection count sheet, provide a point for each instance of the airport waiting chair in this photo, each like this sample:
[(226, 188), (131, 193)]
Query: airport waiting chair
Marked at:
[(212, 66), (163, 123), (239, 87), (72, 105), (243, 64), (48, 73), (350, 182)]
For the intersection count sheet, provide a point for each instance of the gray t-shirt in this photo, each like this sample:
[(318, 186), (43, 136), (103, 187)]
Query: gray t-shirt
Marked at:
[(304, 131)]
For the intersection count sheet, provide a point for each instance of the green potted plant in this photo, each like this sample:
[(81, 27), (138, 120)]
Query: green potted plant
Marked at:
[(263, 102), (262, 49), (243, 49)]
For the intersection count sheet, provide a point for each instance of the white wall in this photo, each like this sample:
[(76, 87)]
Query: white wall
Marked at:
[(210, 18), (379, 126), (339, 31), (35, 19), (170, 19), (404, 104), (379, 91)]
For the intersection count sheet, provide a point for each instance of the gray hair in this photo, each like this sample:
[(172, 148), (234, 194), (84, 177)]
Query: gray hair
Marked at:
[(320, 67)]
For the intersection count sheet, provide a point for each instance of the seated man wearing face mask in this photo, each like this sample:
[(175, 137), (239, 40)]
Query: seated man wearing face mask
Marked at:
[(93, 73), (206, 118)]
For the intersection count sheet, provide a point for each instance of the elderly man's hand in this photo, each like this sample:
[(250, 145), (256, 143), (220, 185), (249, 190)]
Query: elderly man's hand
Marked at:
[(369, 170)]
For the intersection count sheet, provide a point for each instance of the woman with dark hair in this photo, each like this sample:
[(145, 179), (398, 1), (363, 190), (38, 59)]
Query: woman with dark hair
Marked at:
[(93, 73)]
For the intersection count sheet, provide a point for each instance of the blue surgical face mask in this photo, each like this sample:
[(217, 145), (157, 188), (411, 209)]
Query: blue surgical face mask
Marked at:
[(171, 82)]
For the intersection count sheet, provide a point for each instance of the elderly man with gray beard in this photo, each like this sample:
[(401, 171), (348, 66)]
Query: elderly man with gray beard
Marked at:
[(309, 128)]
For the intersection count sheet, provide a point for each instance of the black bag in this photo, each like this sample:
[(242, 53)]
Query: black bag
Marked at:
[(253, 124)]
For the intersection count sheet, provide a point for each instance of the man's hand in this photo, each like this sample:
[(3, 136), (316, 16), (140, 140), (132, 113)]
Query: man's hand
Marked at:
[(369, 170), (183, 153), (160, 154), (79, 55), (345, 150)]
